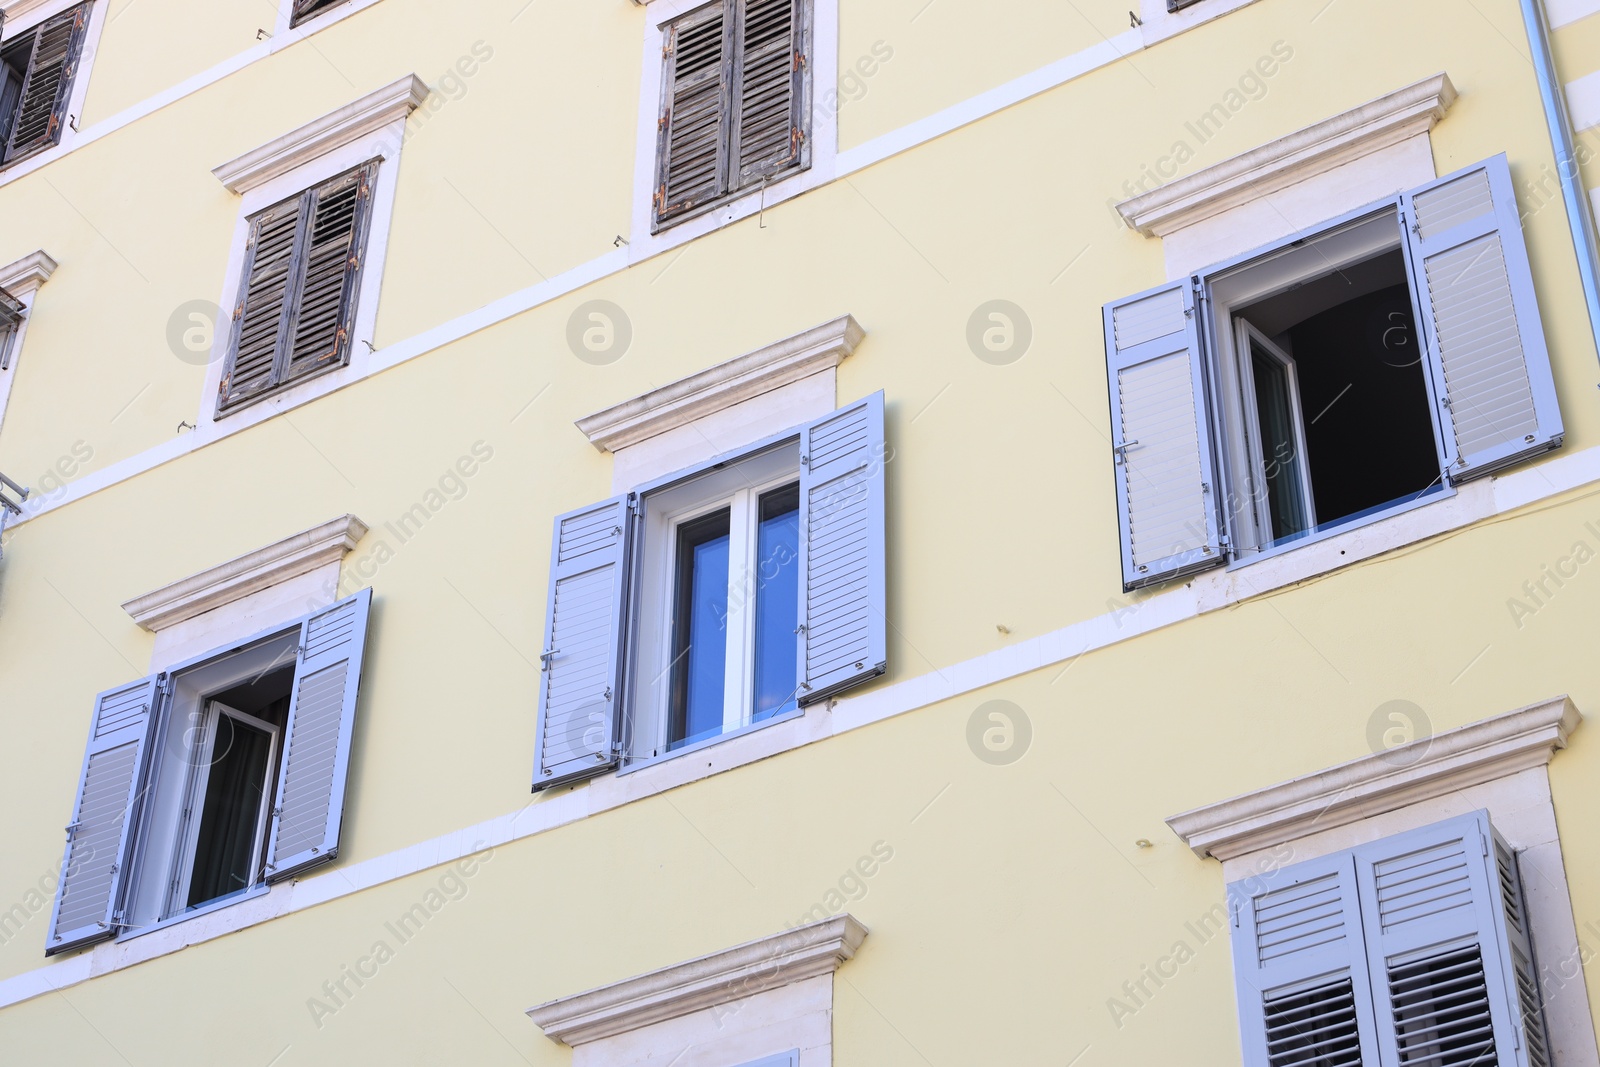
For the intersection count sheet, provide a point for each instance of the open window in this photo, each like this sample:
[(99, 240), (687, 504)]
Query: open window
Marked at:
[(716, 600), (205, 783), (1335, 378)]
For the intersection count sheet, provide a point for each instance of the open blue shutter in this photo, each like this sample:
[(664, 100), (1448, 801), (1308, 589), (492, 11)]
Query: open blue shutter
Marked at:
[(1161, 437), (843, 631), (1479, 315), (1300, 967), (101, 831), (580, 681), (316, 747), (1444, 977)]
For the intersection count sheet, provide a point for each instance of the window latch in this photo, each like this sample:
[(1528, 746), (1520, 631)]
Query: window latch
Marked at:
[(546, 656), (1121, 451)]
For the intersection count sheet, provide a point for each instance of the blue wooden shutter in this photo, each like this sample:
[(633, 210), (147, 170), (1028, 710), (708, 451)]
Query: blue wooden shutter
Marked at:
[(1478, 313), (1300, 967), (1447, 987), (1167, 507), (580, 683), (843, 632), (316, 746), (100, 835)]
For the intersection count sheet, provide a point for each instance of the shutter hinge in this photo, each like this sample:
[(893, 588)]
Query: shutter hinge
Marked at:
[(799, 60), (666, 116), (633, 503), (163, 683)]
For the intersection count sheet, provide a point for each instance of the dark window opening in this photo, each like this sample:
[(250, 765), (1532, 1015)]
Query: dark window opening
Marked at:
[(13, 69)]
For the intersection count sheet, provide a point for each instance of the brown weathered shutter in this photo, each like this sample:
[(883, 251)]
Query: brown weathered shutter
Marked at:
[(41, 109), (693, 146), (768, 118), (264, 302), (331, 267)]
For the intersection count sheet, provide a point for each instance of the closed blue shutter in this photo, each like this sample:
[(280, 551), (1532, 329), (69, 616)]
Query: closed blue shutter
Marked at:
[(316, 747), (1167, 499), (1486, 349), (1300, 967), (1447, 983), (843, 631), (101, 832), (580, 682)]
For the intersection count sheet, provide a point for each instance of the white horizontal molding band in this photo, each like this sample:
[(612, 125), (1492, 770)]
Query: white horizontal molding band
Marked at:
[(1562, 12), (315, 139), (27, 274), (719, 978), (1291, 159), (1583, 102), (227, 582), (1420, 770), (706, 392)]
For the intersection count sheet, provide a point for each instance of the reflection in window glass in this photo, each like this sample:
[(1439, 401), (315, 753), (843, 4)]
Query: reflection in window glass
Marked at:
[(700, 640), (777, 601), (231, 821)]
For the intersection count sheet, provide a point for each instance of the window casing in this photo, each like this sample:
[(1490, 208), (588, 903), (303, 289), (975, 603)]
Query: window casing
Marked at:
[(38, 68), (735, 104)]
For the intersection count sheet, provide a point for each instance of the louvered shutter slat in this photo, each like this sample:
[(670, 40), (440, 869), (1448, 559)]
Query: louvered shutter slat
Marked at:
[(332, 261), (317, 734), (1486, 349), (580, 681), (693, 144), (41, 108), (1161, 434), (99, 837), (843, 632), (768, 120)]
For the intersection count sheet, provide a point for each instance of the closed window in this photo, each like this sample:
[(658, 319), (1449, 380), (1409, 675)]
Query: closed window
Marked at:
[(37, 68), (206, 782), (717, 600), (735, 103), (1413, 949), (1341, 376), (297, 296)]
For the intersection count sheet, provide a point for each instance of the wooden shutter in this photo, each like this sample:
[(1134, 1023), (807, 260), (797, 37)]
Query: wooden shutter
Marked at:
[(11, 311), (99, 838), (42, 107), (265, 299), (1440, 950), (1161, 433), (581, 668), (768, 127), (329, 272), (697, 75), (1486, 347), (316, 748), (1300, 967), (843, 632)]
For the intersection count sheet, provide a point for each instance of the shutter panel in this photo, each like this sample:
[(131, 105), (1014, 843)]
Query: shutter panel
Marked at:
[(261, 316), (1300, 967), (768, 102), (1480, 317), (1161, 437), (843, 633), (333, 248), (580, 684), (693, 147), (11, 311), (41, 110), (1444, 984), (304, 9), (100, 835), (316, 745)]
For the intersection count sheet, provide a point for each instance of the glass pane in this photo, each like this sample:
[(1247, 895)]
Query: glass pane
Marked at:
[(224, 853), (699, 630), (1279, 450), (777, 601)]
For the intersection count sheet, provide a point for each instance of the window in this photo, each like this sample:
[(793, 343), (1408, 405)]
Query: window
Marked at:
[(36, 77), (305, 9), (1335, 378), (716, 600), (297, 296), (206, 782), (11, 312), (735, 103), (1411, 949)]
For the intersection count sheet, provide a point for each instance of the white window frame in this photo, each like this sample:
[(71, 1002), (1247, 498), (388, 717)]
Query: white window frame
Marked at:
[(1245, 337), (824, 60), (23, 21), (383, 145)]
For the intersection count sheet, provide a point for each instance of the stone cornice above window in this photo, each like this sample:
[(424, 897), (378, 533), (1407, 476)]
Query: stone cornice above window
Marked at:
[(704, 392), (1406, 774), (733, 974), (27, 273), (1288, 160), (355, 120), (249, 573), (18, 8)]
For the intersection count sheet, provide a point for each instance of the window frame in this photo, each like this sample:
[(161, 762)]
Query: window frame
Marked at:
[(1246, 337), (77, 94)]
